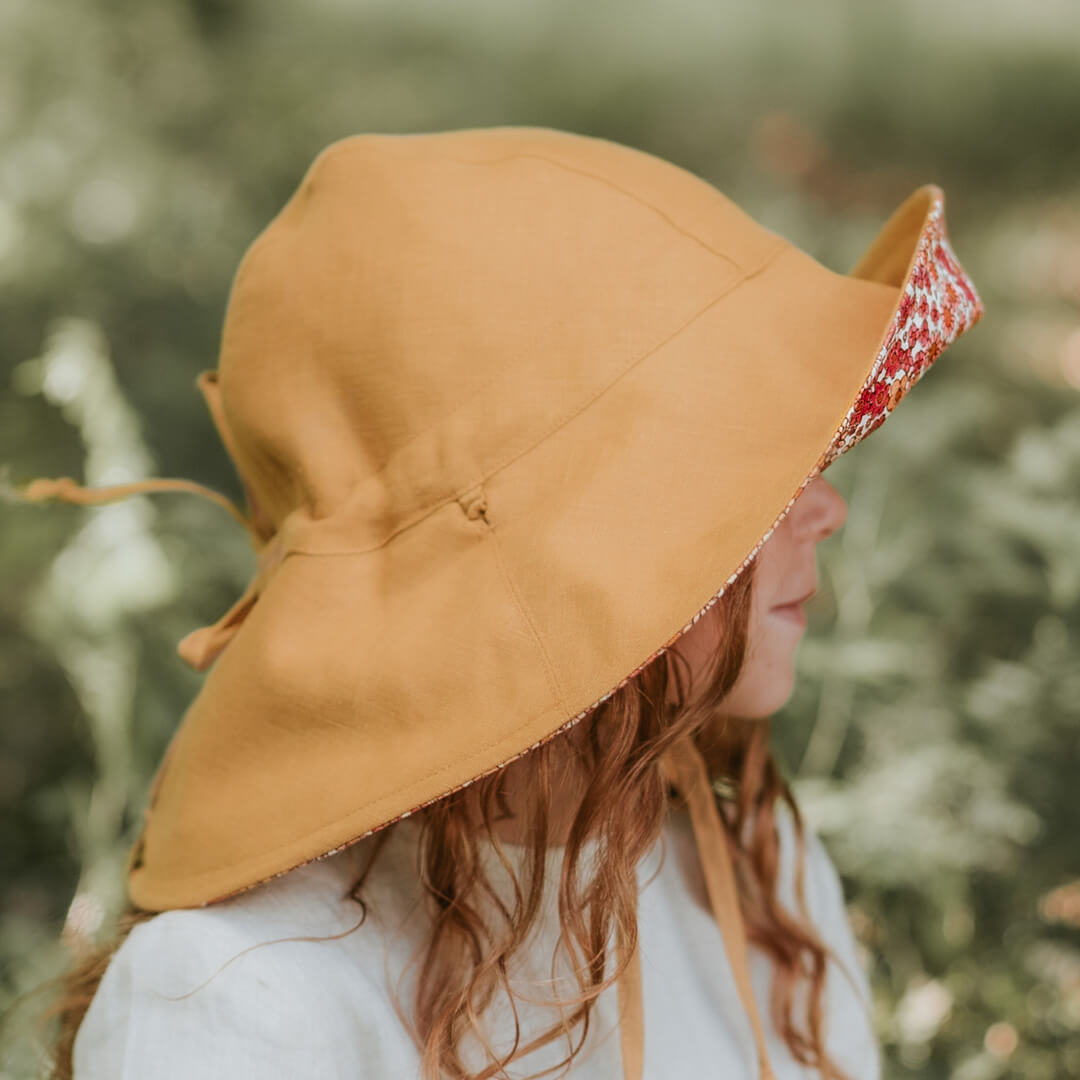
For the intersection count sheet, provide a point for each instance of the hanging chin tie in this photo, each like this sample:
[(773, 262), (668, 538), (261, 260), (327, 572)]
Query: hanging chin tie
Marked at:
[(201, 647), (684, 768)]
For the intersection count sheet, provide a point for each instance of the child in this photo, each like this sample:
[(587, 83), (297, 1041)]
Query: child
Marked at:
[(531, 429)]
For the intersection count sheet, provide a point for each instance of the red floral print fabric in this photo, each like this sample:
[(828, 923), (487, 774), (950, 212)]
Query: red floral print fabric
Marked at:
[(938, 304)]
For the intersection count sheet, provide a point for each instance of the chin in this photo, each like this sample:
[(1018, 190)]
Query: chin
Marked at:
[(758, 702)]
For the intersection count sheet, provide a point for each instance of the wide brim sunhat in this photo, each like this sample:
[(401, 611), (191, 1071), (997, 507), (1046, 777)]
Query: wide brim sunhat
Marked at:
[(512, 407)]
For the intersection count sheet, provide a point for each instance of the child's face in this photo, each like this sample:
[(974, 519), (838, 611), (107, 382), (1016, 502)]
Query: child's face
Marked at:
[(786, 571)]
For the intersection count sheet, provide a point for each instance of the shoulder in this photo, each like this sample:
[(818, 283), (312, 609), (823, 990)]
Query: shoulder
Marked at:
[(270, 983), (822, 888)]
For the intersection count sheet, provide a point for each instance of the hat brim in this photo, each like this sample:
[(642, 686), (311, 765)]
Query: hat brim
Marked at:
[(520, 620)]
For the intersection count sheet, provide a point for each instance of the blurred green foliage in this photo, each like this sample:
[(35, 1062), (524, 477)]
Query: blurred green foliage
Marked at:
[(932, 737)]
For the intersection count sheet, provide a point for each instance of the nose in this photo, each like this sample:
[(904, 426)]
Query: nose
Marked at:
[(821, 510)]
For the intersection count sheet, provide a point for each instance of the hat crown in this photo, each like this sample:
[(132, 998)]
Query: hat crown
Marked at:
[(426, 307)]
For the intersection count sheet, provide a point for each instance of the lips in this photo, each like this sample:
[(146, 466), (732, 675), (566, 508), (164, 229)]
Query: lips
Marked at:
[(800, 600), (792, 613)]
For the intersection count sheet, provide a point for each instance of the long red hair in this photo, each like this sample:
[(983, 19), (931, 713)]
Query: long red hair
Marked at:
[(618, 747)]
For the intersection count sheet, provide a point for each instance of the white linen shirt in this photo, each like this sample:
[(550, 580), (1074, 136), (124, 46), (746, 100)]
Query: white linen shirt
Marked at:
[(213, 993)]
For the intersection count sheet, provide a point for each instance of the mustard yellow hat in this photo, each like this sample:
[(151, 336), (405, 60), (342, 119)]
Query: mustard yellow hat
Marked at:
[(512, 407)]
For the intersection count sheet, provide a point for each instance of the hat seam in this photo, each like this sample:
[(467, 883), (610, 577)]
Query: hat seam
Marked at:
[(526, 616), (559, 423), (639, 199), (360, 145)]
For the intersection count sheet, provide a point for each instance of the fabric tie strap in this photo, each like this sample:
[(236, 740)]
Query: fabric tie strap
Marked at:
[(685, 769), (200, 648)]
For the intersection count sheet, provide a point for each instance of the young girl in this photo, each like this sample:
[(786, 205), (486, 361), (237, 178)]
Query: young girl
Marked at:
[(531, 428)]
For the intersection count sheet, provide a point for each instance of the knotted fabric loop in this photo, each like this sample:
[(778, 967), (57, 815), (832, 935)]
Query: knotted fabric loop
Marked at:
[(200, 648)]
